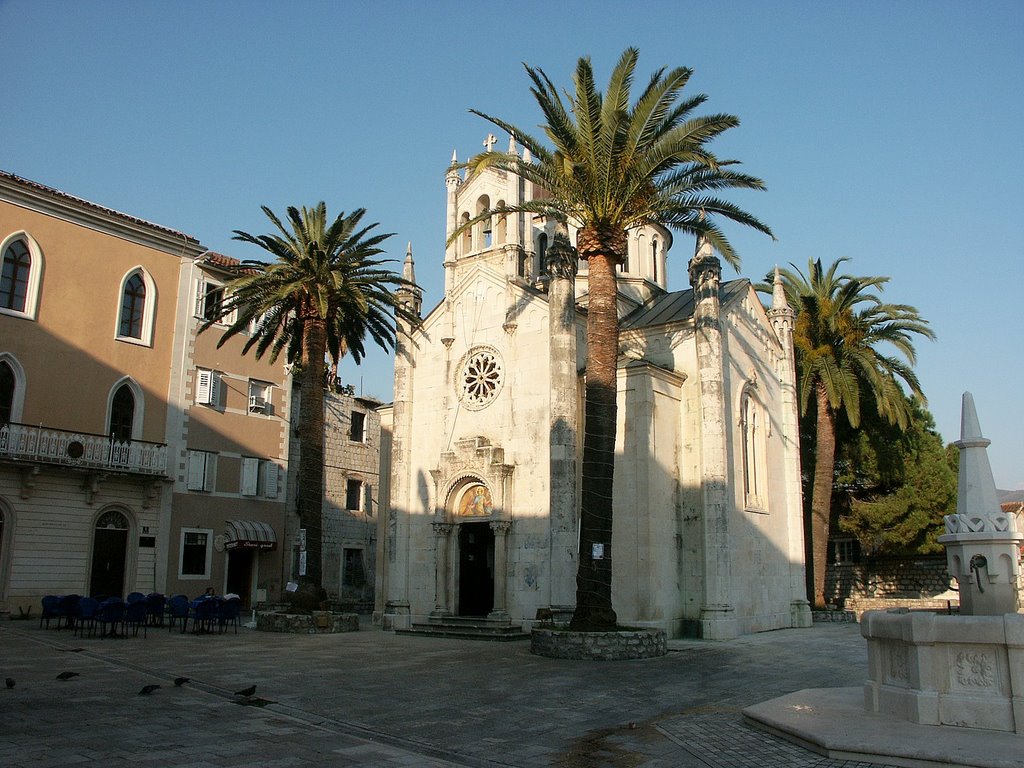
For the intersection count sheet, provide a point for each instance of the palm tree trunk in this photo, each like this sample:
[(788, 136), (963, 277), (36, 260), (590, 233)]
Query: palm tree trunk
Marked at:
[(821, 494), (594, 576), (311, 448)]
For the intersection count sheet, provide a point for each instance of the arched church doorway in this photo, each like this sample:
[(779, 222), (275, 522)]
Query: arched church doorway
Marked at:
[(109, 554), (476, 569)]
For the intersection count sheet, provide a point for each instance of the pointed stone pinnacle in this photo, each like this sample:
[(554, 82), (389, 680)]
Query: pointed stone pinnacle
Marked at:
[(970, 429)]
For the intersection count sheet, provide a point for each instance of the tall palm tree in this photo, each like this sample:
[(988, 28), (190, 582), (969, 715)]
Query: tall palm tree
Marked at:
[(323, 294), (841, 325), (617, 164)]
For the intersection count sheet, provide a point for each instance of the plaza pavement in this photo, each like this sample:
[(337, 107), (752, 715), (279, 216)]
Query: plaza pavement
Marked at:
[(372, 698)]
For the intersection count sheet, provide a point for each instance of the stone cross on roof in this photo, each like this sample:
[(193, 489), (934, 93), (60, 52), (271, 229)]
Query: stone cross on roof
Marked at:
[(490, 141)]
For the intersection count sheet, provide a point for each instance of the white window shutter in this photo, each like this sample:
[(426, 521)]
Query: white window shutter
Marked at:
[(204, 386), (214, 388), (200, 298), (210, 464), (250, 470), (270, 479), (196, 470)]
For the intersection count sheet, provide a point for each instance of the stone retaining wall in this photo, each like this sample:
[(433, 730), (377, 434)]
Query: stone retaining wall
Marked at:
[(914, 578), (599, 646), (320, 622)]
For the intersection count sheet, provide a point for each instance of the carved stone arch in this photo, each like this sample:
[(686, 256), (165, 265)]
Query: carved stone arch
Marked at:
[(473, 461)]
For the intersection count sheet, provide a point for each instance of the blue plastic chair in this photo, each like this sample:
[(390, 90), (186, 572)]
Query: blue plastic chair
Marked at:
[(177, 610), (134, 597), (229, 613), (204, 614), (68, 609), (136, 614), (110, 614), (155, 603), (85, 615), (51, 610)]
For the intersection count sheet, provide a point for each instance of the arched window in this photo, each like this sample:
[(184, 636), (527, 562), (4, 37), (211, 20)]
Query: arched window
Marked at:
[(542, 253), (753, 452), (467, 236), (501, 229), (125, 411), (12, 388), (122, 414), (7, 387), (20, 275), (654, 258), (14, 283), (133, 303), (483, 237), (135, 315)]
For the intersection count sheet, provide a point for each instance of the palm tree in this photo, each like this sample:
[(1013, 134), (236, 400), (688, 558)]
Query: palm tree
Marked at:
[(323, 295), (617, 165), (841, 324)]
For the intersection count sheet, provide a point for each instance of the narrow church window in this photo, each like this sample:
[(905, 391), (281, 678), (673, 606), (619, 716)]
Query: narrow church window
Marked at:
[(14, 278), (542, 252), (654, 258), (753, 453)]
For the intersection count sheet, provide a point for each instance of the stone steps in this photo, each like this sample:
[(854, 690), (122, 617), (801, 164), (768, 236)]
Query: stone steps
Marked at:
[(468, 628)]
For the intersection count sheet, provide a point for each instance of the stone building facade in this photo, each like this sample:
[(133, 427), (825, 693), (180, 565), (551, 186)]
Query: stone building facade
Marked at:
[(482, 443), (351, 507)]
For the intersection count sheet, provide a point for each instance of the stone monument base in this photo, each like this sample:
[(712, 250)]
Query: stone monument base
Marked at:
[(965, 671)]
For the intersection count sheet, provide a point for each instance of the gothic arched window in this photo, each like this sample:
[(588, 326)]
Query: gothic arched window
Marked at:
[(6, 392), (133, 304), (15, 276), (122, 413), (753, 447)]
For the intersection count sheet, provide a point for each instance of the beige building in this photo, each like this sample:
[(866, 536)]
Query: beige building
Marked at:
[(483, 439), (109, 405)]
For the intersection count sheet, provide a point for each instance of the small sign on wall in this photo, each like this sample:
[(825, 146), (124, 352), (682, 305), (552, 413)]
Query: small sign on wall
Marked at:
[(597, 551)]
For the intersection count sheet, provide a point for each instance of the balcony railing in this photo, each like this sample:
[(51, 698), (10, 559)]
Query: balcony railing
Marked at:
[(23, 442)]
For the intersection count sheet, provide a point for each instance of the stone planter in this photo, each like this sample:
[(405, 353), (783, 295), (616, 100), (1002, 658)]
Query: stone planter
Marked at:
[(599, 646), (319, 622)]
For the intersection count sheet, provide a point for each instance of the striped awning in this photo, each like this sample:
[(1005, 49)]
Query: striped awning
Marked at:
[(249, 534)]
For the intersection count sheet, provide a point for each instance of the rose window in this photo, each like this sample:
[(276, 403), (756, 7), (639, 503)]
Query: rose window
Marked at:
[(481, 379)]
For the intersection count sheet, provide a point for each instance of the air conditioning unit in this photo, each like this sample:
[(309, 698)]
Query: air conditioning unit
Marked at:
[(257, 404)]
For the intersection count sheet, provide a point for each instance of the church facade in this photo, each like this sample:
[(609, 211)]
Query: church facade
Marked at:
[(485, 438)]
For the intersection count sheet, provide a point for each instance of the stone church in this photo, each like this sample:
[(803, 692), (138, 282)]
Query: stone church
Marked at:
[(481, 512)]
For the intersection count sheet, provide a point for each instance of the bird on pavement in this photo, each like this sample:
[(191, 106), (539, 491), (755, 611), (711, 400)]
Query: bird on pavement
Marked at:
[(67, 675), (180, 681), (247, 692), (9, 682), (148, 689)]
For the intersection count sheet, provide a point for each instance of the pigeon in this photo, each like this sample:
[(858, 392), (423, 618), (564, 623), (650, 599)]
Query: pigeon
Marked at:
[(67, 675), (247, 692), (9, 682), (148, 689), (180, 681)]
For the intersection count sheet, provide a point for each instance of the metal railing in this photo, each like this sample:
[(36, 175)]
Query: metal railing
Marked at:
[(24, 442)]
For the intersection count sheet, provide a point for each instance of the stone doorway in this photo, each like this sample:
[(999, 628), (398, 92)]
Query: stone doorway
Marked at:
[(109, 553), (476, 569)]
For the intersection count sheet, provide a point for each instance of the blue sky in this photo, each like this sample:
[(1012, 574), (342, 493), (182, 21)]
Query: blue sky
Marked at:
[(887, 132)]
